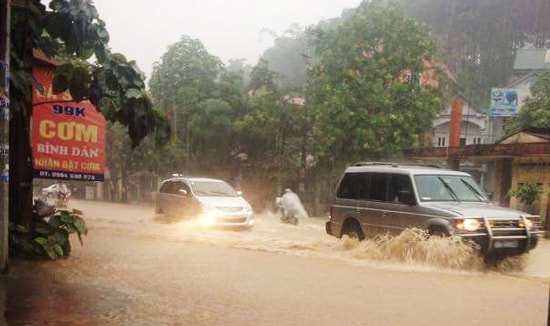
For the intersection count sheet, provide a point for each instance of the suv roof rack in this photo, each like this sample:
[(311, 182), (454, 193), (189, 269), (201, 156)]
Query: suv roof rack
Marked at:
[(375, 163), (393, 164), (430, 165)]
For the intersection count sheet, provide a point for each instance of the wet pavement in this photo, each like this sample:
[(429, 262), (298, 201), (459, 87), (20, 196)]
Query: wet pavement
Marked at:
[(129, 272), (33, 294)]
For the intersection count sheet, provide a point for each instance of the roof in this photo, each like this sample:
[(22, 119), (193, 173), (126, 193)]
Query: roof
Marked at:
[(524, 78), (528, 135), (191, 179), (384, 167), (467, 108), (532, 59), (41, 59)]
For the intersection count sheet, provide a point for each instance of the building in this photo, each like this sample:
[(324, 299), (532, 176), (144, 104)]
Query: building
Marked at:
[(499, 162), (473, 128)]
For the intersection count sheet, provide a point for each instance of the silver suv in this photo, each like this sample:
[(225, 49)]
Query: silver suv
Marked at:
[(374, 198)]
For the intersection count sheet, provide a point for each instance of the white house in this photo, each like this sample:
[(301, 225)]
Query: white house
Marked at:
[(474, 126)]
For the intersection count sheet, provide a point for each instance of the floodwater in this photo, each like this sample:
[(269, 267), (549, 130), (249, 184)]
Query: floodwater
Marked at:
[(112, 279)]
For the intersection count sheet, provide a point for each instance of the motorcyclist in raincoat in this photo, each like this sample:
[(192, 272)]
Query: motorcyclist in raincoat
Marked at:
[(292, 207)]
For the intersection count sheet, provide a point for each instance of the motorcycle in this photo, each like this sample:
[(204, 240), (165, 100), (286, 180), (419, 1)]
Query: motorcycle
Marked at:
[(57, 193), (287, 216)]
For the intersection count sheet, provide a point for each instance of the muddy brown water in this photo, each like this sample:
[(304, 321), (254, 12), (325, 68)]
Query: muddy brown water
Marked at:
[(48, 293), (33, 295)]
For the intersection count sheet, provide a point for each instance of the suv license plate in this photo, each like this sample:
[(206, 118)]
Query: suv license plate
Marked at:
[(507, 244)]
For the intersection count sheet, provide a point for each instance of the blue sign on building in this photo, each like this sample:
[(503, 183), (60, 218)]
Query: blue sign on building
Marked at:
[(504, 102)]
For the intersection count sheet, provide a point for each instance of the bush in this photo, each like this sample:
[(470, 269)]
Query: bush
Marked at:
[(49, 237), (527, 193)]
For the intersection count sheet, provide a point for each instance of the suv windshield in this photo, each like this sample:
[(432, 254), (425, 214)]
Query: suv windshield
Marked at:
[(213, 188), (448, 188)]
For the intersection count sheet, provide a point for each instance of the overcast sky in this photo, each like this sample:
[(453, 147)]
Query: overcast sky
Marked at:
[(229, 29)]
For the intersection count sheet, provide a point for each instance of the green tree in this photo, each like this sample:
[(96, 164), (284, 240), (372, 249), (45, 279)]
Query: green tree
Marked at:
[(535, 112), (262, 77), (271, 132), (363, 108), (479, 39), (71, 31), (205, 99), (239, 68), (186, 76), (289, 58), (527, 193), (211, 129)]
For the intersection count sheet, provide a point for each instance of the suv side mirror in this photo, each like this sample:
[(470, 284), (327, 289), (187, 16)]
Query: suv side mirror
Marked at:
[(406, 197)]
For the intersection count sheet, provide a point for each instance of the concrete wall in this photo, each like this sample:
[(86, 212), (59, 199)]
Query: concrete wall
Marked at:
[(533, 170)]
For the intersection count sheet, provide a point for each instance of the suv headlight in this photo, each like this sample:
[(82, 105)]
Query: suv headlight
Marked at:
[(469, 224), (527, 223)]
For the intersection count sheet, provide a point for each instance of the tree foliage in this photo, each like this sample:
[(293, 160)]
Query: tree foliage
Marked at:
[(73, 33), (362, 106), (527, 193), (203, 100), (272, 129), (535, 112), (289, 57), (479, 39)]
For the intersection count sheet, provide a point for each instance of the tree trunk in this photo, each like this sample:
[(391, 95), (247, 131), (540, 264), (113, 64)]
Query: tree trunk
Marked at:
[(20, 156), (21, 167)]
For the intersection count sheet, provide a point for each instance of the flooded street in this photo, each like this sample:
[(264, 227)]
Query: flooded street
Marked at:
[(138, 269)]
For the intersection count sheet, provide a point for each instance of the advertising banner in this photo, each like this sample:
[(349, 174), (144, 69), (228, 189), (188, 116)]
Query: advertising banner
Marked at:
[(504, 102), (68, 138)]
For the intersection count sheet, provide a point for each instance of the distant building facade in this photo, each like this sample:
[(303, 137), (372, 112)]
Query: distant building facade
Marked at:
[(474, 126)]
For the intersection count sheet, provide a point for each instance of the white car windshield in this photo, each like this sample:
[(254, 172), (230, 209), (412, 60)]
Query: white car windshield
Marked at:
[(448, 188), (213, 188)]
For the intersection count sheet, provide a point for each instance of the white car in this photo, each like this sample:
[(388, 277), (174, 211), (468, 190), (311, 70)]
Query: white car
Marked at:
[(212, 202)]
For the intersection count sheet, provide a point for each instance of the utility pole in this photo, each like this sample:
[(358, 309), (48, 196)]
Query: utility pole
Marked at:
[(4, 130)]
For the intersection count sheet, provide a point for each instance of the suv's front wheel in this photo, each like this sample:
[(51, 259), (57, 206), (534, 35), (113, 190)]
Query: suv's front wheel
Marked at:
[(353, 230), (438, 231)]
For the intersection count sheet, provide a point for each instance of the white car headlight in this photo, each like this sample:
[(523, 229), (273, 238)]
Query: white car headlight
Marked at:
[(247, 208), (208, 214), (207, 208), (207, 220)]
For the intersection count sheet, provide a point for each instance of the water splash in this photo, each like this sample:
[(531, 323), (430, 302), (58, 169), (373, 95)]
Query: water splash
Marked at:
[(414, 247)]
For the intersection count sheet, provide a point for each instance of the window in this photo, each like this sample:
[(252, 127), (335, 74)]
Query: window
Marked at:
[(378, 186), (441, 142), (353, 186), (213, 188), (476, 140), (398, 182), (448, 188), (373, 186), (166, 187), (180, 185)]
